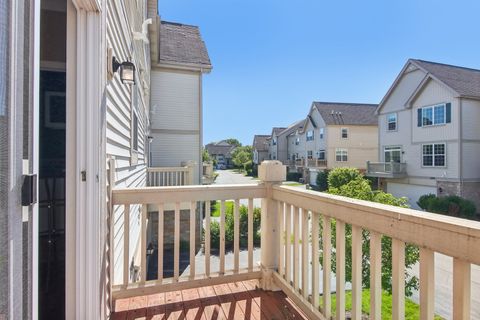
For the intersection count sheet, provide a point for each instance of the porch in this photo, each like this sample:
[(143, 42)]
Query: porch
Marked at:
[(386, 169), (297, 252)]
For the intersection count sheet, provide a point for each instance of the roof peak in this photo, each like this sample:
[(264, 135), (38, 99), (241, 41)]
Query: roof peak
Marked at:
[(178, 24), (345, 103)]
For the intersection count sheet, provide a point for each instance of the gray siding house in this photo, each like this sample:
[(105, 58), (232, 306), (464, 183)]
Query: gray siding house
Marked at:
[(429, 138)]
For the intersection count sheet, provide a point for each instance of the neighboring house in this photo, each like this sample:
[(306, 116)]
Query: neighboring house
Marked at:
[(176, 96), (340, 134), (221, 152), (260, 148), (277, 148), (429, 139)]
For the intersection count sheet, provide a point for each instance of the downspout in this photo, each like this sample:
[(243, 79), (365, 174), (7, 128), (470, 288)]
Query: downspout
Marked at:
[(460, 145)]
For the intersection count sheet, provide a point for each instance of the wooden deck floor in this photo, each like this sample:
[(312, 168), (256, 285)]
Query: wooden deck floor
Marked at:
[(239, 300)]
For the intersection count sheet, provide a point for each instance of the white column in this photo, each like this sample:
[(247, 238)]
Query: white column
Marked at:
[(270, 173)]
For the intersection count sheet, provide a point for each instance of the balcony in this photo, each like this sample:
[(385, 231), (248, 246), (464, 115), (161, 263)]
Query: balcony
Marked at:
[(295, 255), (386, 169), (316, 163), (170, 176)]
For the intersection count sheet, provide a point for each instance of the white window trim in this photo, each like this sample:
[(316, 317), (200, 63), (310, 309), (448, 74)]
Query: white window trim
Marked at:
[(444, 105), (322, 133), (433, 155), (396, 122), (343, 152), (341, 133), (312, 137)]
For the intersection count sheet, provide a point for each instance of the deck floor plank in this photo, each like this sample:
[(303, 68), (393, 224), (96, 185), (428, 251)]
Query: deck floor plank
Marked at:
[(232, 301)]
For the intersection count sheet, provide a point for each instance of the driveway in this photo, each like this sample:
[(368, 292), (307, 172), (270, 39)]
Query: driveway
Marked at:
[(231, 177)]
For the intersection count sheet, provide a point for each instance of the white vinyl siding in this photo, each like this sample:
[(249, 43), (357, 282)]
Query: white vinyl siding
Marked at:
[(175, 100), (392, 122), (121, 18)]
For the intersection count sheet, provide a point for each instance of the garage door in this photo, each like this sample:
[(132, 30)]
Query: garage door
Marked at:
[(412, 192)]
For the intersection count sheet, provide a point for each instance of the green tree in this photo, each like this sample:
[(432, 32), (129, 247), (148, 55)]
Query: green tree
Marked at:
[(241, 156), (233, 142), (206, 156), (350, 183)]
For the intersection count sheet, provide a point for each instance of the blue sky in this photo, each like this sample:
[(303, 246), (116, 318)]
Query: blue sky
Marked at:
[(271, 59)]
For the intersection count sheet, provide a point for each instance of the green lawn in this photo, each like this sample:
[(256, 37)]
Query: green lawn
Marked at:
[(215, 209), (412, 310), (293, 184)]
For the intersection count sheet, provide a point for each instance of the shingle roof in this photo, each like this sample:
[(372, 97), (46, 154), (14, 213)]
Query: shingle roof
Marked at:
[(293, 127), (277, 130), (221, 147), (464, 81), (181, 43), (334, 113), (260, 142)]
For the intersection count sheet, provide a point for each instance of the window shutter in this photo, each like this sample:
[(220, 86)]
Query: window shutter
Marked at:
[(419, 117), (448, 112)]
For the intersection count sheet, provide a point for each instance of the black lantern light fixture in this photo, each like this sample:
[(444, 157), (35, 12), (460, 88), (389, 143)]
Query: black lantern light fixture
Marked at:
[(127, 70)]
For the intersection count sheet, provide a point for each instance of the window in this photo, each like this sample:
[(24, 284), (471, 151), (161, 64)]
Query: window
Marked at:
[(392, 154), (392, 122), (310, 135), (297, 141), (310, 154), (322, 132), (274, 142), (344, 133), (433, 155), (341, 155), (434, 115), (321, 155)]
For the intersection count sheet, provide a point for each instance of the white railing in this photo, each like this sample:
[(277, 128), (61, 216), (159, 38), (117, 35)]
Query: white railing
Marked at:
[(170, 176), (386, 168), (165, 199), (316, 163), (296, 230)]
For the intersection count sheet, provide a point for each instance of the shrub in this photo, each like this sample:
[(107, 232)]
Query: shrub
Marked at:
[(450, 205), (322, 180), (341, 176), (294, 176), (229, 228), (248, 167)]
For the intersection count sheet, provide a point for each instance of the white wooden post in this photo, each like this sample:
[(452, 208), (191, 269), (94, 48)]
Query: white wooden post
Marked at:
[(270, 173)]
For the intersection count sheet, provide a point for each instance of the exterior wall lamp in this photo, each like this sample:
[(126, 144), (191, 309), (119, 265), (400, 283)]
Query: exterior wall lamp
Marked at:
[(127, 70)]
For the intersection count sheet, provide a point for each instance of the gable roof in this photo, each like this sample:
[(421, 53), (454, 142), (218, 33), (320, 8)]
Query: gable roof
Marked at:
[(277, 130), (182, 44), (464, 81), (260, 142), (298, 125), (335, 113)]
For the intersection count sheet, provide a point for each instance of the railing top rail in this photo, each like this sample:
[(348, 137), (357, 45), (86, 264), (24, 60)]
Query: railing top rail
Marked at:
[(154, 195), (452, 236), (382, 163), (166, 169)]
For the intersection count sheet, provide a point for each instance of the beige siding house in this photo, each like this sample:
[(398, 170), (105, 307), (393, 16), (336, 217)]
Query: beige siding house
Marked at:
[(428, 128), (176, 96), (260, 148)]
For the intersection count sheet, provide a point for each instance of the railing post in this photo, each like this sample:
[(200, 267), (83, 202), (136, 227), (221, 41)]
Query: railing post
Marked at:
[(270, 173), (190, 172)]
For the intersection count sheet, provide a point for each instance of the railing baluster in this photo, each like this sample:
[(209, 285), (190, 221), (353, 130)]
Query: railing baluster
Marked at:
[(281, 241), (398, 279), (250, 235), (222, 237), (143, 245), (305, 244), (327, 265), (176, 246), (340, 274), (296, 254), (236, 236), (461, 289), (356, 272), (375, 275), (427, 284), (315, 260), (207, 238), (288, 243), (160, 242), (126, 244), (193, 206)]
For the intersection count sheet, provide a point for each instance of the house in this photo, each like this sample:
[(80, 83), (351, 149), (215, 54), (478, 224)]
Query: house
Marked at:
[(429, 138), (340, 134), (277, 150), (296, 145), (221, 152), (260, 148), (176, 96)]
